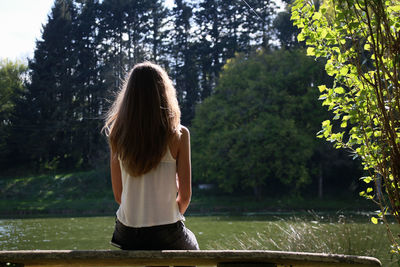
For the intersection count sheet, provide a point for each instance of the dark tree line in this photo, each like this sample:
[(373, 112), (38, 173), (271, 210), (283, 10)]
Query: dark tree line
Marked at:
[(86, 48)]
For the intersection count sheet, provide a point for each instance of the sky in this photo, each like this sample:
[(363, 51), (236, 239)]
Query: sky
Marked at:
[(21, 24)]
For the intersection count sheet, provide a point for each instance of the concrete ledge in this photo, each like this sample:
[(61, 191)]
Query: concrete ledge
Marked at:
[(180, 257)]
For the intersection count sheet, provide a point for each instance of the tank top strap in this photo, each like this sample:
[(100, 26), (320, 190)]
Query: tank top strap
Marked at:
[(168, 156)]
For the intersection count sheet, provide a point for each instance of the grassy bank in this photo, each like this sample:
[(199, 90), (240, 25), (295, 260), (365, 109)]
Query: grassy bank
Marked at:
[(76, 193), (89, 193)]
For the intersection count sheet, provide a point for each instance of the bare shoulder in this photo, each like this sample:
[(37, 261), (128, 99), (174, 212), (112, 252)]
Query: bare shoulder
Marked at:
[(185, 134), (179, 141), (180, 135), (184, 138), (184, 143)]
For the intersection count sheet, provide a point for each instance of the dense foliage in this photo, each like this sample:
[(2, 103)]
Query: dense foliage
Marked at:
[(361, 41), (12, 75), (257, 131), (86, 48)]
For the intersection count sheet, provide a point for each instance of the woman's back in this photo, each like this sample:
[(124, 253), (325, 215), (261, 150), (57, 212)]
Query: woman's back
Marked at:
[(150, 199)]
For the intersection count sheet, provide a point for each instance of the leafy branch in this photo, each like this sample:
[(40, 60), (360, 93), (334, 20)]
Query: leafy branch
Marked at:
[(361, 41)]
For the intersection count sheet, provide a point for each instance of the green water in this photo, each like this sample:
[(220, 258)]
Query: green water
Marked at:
[(95, 232), (332, 234)]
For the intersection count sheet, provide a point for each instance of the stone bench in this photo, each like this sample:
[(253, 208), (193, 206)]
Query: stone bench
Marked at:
[(220, 258)]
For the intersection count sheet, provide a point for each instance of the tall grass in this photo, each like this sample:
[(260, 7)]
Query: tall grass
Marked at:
[(321, 235)]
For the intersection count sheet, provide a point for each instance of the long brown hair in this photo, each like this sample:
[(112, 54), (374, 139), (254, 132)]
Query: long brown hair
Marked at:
[(143, 118)]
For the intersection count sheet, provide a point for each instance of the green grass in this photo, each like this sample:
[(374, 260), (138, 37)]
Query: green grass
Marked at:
[(71, 193), (90, 193)]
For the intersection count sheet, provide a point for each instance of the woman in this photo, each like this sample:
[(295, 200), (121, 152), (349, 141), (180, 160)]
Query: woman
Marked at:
[(150, 163)]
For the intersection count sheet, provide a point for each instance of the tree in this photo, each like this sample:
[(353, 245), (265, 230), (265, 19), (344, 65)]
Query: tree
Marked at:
[(361, 41), (118, 42), (285, 31), (12, 89), (88, 45), (159, 19), (89, 90), (184, 56), (51, 92), (256, 132), (226, 28), (258, 16)]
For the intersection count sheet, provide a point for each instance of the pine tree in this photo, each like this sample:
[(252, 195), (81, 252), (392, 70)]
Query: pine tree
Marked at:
[(159, 33), (90, 92), (50, 92), (209, 18), (184, 54), (112, 32)]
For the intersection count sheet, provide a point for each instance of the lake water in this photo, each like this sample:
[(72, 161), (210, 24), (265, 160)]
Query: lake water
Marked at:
[(329, 234), (95, 232)]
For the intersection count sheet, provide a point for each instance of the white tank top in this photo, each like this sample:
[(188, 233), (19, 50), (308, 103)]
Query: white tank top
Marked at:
[(150, 199)]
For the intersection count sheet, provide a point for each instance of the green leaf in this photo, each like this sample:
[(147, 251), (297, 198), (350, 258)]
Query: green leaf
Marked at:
[(295, 15), (339, 90), (367, 179), (322, 88), (317, 16), (330, 70), (310, 51), (300, 37), (326, 123), (344, 70), (324, 32), (323, 97)]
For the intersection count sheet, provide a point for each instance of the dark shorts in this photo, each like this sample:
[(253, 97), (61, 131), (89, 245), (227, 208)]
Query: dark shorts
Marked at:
[(173, 236)]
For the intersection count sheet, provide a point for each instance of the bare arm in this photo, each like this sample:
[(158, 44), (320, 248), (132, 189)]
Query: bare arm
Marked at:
[(184, 171), (116, 179)]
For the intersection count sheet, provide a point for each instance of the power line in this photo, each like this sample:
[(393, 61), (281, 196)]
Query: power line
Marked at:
[(252, 9)]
